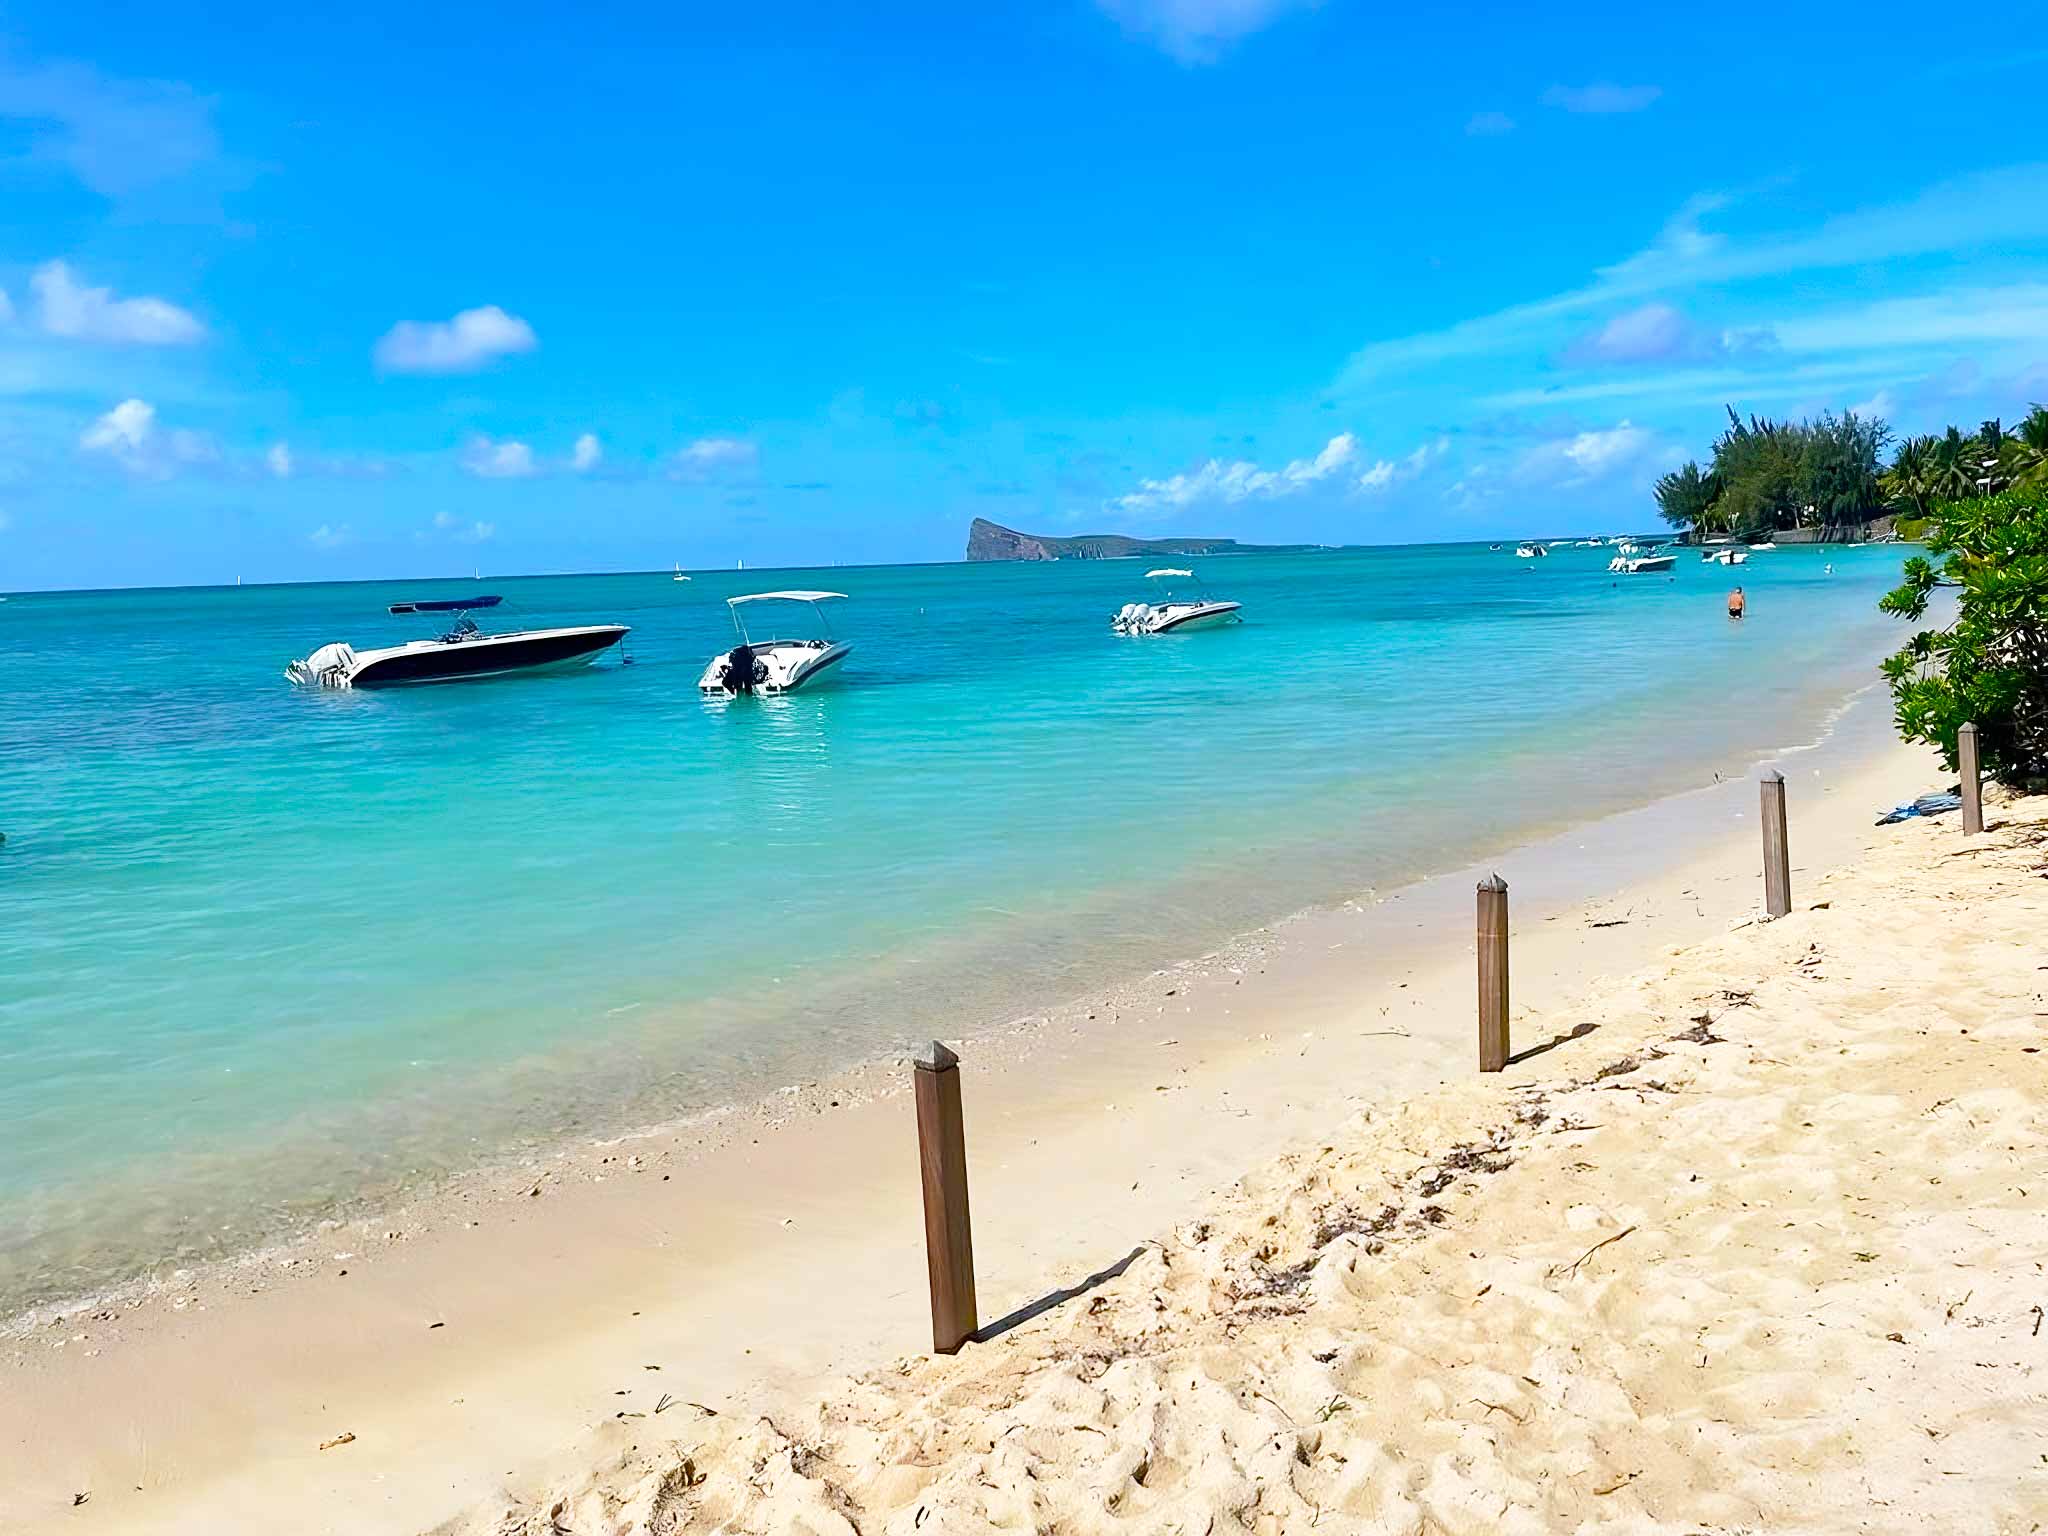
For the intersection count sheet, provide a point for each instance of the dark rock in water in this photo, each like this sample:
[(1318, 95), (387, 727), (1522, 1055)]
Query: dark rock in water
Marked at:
[(992, 541)]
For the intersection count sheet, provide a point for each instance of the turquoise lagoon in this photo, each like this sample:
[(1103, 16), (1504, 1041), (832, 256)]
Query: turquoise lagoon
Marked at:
[(267, 952)]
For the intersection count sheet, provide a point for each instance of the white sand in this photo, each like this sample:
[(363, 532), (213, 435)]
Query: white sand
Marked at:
[(1761, 1250)]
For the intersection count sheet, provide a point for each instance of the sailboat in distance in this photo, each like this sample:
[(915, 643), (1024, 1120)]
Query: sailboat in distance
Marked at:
[(679, 576)]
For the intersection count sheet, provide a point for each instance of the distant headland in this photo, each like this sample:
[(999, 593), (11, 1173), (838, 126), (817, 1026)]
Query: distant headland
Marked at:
[(992, 541)]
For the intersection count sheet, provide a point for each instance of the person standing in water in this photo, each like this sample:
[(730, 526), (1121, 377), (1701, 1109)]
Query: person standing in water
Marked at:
[(1736, 604)]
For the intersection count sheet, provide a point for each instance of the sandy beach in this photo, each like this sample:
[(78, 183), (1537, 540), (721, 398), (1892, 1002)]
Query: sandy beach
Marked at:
[(1761, 1248), (723, 1297)]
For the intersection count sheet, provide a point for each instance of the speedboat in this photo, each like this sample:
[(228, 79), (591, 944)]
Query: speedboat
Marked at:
[(1639, 565), (1729, 556), (773, 666), (462, 654), (1530, 552), (1173, 612)]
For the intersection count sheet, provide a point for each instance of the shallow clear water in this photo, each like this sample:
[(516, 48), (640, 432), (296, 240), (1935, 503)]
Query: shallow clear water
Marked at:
[(265, 949)]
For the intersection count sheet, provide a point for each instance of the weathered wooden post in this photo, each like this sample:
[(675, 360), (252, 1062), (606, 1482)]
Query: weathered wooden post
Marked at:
[(1777, 846), (1972, 776), (1493, 974), (942, 1157)]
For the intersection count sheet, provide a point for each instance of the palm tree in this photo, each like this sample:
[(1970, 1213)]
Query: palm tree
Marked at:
[(1952, 467), (2030, 447), (1905, 484)]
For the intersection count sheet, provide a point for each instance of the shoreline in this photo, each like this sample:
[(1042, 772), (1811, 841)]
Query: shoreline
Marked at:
[(437, 1197), (805, 1185)]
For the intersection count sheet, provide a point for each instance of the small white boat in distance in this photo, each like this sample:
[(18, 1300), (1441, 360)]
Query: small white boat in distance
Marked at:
[(463, 654), (1530, 552), (1729, 556), (1173, 612), (773, 666), (679, 576), (1639, 565)]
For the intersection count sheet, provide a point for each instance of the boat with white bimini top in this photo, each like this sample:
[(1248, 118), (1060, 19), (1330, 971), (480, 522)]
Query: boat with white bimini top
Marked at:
[(464, 653), (1641, 565), (1729, 556), (773, 666), (1530, 552), (1175, 613)]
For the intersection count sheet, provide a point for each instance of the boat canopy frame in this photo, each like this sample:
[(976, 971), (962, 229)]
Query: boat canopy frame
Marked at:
[(739, 623)]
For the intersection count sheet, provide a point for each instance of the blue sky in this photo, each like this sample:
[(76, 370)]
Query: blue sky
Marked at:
[(426, 289)]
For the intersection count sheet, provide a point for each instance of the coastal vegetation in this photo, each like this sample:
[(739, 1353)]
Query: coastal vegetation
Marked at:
[(1990, 665), (1765, 475)]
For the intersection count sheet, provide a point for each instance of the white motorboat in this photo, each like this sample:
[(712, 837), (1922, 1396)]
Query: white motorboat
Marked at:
[(1174, 612), (1771, 545), (1728, 556), (463, 654), (777, 665), (1639, 565), (1530, 552)]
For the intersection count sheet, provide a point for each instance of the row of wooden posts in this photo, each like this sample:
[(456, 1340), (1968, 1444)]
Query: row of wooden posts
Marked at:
[(942, 1137)]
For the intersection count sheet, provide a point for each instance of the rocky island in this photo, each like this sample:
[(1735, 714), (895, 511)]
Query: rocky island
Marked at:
[(992, 541)]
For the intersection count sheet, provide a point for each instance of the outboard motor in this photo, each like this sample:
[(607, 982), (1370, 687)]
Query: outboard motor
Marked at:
[(740, 669)]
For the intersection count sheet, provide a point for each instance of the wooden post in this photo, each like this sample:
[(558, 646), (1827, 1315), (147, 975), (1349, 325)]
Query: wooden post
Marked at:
[(942, 1157), (1777, 846), (1493, 974), (1973, 778)]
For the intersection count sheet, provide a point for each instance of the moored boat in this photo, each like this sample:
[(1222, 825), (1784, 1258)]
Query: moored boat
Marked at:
[(776, 665), (1175, 613), (464, 653)]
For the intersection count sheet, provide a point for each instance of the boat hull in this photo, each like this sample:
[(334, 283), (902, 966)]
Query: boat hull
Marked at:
[(1210, 616), (789, 667), (464, 661)]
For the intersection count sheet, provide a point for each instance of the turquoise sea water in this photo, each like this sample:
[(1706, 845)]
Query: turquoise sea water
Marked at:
[(265, 949)]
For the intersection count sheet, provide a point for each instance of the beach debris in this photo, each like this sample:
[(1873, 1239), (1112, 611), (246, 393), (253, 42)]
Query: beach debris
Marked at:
[(346, 1437), (1574, 1269), (2037, 1322), (1615, 1487), (80, 1498)]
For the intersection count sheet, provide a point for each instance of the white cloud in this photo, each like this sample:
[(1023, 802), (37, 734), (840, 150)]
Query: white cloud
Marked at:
[(1603, 98), (474, 339), (6, 308), (1197, 31), (116, 136), (461, 532), (1237, 480), (331, 536), (1882, 406), (1597, 454), (279, 460), (1990, 210), (1487, 125), (67, 307), (131, 436), (1385, 472), (714, 455), (588, 451), (506, 460)]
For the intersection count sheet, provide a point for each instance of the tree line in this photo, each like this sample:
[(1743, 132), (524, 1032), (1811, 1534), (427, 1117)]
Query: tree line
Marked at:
[(1765, 475)]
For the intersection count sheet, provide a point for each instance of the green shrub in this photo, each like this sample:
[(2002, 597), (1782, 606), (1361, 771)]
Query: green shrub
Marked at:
[(1991, 664)]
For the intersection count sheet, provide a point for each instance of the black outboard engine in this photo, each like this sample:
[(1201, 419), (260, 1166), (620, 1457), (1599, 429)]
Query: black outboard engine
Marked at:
[(739, 669)]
